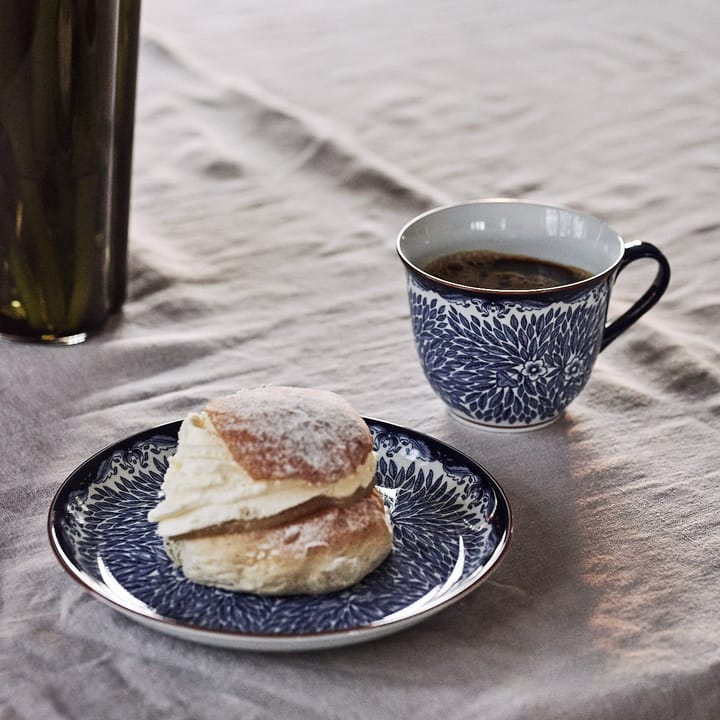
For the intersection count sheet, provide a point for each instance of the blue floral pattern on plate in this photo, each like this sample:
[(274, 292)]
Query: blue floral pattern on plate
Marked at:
[(451, 525), (509, 363)]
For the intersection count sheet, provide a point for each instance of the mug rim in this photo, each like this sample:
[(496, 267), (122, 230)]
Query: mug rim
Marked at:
[(534, 292)]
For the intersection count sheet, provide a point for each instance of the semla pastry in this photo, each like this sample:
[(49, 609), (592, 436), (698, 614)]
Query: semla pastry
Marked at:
[(272, 491)]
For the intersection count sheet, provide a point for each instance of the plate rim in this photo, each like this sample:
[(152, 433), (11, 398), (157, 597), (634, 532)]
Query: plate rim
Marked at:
[(281, 641)]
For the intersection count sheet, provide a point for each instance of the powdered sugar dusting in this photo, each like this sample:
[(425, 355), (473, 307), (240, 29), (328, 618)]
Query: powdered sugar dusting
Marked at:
[(278, 432), (324, 527)]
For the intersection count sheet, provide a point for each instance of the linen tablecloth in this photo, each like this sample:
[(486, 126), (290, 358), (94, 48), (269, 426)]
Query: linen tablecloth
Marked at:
[(280, 146)]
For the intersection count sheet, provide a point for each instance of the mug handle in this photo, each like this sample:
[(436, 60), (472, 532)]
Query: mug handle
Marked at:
[(634, 251)]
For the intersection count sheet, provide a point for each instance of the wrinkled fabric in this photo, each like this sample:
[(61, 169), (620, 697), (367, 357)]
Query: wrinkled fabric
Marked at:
[(280, 147)]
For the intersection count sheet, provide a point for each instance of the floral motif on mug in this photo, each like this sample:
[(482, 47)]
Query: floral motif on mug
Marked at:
[(507, 363)]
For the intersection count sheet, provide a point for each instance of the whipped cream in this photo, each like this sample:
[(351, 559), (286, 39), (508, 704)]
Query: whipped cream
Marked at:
[(205, 486)]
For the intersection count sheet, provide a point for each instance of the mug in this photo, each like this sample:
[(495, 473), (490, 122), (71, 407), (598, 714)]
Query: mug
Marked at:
[(515, 358)]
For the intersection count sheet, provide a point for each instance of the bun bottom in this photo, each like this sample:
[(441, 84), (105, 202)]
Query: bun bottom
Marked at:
[(327, 550)]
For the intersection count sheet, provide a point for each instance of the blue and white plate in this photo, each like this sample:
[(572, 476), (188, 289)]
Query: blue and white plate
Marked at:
[(451, 526)]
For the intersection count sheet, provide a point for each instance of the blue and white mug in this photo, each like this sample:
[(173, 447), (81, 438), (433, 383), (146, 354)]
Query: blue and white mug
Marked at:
[(514, 359)]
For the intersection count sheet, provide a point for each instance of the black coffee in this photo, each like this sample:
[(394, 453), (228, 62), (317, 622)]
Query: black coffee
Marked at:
[(500, 271)]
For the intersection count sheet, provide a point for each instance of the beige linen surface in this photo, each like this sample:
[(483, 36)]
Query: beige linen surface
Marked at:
[(280, 147)]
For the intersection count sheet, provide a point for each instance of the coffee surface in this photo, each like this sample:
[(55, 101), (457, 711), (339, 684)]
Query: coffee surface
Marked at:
[(499, 271)]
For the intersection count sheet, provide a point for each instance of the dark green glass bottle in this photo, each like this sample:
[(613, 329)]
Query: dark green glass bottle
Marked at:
[(67, 103)]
